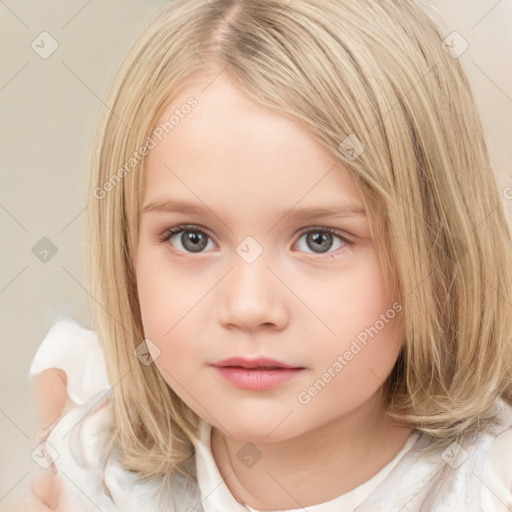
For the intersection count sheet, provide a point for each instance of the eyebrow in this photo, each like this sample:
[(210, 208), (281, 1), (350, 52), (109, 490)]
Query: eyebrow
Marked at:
[(311, 212)]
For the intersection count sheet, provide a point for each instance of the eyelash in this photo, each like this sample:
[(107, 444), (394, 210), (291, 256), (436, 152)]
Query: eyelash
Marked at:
[(315, 229)]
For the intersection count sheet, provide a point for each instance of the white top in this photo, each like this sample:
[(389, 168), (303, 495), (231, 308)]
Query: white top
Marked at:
[(75, 447)]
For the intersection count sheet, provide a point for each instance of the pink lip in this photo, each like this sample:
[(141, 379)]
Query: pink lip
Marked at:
[(248, 378), (255, 374), (242, 362)]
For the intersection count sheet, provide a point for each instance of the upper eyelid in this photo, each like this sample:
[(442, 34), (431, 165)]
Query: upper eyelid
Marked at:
[(197, 227), (345, 237)]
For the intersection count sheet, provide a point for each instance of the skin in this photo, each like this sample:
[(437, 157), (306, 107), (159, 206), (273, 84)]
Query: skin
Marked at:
[(50, 395), (250, 165)]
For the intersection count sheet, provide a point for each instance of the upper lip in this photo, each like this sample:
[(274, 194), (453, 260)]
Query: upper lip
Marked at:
[(253, 363)]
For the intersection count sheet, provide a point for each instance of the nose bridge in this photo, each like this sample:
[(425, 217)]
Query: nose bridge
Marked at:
[(250, 277), (251, 294)]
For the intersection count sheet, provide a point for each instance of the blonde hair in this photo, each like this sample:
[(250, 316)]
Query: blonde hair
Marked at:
[(373, 71)]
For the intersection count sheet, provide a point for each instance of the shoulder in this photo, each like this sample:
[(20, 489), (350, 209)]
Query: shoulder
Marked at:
[(66, 332), (497, 470), (90, 480), (475, 470)]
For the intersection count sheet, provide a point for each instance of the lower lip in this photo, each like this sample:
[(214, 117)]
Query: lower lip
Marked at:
[(257, 379)]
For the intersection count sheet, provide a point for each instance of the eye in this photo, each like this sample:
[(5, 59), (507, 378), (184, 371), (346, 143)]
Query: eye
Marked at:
[(321, 240), (191, 238)]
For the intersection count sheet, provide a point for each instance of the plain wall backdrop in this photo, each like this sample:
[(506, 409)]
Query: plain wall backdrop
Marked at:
[(49, 109)]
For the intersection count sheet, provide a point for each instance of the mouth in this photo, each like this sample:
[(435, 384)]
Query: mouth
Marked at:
[(256, 368), (262, 363), (256, 375)]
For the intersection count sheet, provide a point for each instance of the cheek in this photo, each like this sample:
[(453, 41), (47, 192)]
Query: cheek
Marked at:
[(355, 301), (162, 291), (356, 365), (365, 319), (166, 298)]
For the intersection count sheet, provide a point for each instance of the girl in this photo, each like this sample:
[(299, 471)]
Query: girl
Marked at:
[(300, 274)]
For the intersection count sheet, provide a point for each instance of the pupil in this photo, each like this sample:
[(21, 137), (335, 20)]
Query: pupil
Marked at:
[(193, 241), (320, 240)]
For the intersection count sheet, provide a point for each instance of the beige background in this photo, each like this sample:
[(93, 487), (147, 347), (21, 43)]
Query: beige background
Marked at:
[(49, 109)]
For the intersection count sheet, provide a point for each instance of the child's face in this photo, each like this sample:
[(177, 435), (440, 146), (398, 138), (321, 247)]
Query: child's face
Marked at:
[(253, 284)]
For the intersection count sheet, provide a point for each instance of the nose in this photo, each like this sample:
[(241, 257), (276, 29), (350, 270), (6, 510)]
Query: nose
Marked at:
[(252, 298)]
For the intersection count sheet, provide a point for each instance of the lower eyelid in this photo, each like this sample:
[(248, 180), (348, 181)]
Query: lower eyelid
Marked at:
[(345, 244), (331, 231)]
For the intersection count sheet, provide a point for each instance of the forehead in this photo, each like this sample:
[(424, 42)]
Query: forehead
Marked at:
[(229, 148)]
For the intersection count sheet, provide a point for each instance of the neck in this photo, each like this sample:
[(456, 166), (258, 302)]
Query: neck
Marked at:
[(313, 467)]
